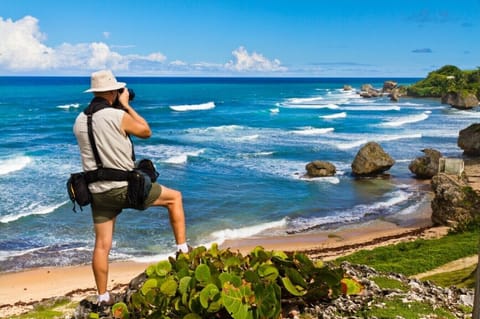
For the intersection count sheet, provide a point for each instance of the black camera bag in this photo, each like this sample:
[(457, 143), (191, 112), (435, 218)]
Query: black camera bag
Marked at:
[(77, 188)]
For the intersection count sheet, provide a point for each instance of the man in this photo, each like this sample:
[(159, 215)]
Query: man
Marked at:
[(111, 129)]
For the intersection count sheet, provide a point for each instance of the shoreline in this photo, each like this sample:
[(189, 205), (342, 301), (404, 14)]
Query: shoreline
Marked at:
[(20, 291)]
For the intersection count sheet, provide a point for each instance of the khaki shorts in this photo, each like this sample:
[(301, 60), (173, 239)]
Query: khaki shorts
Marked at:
[(109, 204)]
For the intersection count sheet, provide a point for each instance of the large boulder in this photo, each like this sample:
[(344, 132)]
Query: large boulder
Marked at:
[(320, 169), (371, 159), (469, 140), (426, 166), (455, 202), (462, 101)]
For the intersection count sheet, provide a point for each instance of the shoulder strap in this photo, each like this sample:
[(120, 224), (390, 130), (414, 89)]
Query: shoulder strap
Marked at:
[(96, 105), (92, 142)]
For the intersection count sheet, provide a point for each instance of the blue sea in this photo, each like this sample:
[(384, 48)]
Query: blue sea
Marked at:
[(235, 147)]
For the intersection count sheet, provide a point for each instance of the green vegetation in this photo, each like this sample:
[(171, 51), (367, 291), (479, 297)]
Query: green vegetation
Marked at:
[(464, 278), (410, 258), (389, 283), (200, 269), (396, 308), (445, 80), (220, 283), (52, 309)]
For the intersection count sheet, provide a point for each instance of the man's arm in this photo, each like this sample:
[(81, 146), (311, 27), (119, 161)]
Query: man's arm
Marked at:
[(132, 122)]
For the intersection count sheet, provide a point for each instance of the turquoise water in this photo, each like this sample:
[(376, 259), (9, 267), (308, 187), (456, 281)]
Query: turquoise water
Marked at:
[(235, 147)]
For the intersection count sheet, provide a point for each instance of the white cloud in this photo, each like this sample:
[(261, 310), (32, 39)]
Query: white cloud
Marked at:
[(23, 49), (253, 62), (21, 45)]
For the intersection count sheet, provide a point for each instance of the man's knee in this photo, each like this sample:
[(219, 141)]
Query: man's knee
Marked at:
[(177, 195)]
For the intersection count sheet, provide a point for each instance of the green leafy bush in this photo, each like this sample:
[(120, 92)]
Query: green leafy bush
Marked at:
[(447, 79), (217, 283)]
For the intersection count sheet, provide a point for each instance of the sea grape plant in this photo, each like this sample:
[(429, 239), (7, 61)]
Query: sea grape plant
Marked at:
[(213, 283)]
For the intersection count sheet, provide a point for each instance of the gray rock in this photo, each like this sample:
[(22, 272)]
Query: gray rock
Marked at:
[(469, 140), (370, 160), (460, 101), (320, 169), (426, 166), (454, 202)]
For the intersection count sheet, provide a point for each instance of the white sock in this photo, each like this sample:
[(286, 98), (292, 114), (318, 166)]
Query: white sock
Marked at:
[(104, 297), (182, 248)]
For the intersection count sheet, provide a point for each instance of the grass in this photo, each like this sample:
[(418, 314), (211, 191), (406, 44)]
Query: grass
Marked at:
[(389, 283), (53, 309), (410, 258), (464, 278), (396, 308)]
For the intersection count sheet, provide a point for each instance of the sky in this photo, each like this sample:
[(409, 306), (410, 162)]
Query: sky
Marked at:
[(277, 38)]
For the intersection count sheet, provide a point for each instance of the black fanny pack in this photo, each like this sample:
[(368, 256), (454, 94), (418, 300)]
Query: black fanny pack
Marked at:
[(139, 180)]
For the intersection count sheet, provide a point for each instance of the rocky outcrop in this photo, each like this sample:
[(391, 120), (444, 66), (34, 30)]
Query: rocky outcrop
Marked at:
[(395, 95), (426, 166), (370, 160), (455, 202), (368, 91), (320, 169), (469, 140), (460, 101), (347, 87), (389, 86)]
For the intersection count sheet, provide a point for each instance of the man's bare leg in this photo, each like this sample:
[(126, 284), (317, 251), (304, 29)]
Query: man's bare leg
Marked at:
[(172, 200), (103, 244)]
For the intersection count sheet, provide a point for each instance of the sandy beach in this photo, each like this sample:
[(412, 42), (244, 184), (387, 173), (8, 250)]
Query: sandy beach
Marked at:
[(19, 291)]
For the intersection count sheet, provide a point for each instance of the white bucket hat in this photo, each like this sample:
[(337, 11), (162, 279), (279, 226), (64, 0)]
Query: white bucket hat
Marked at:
[(103, 81)]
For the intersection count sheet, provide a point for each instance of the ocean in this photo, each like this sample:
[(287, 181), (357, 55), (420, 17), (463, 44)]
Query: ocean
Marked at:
[(235, 147)]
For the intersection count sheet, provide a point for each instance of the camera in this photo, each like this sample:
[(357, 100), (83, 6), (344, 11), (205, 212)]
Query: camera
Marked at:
[(131, 93)]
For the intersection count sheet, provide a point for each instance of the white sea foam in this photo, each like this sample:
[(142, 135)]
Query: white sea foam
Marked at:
[(183, 158), (406, 120), (4, 254), (11, 165), (334, 116), (311, 106), (327, 179), (275, 110), (193, 107), (372, 108), (34, 209), (380, 138), (395, 198), (256, 154), (306, 100), (217, 129), (313, 131), (247, 138), (244, 232), (346, 146), (69, 106)]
